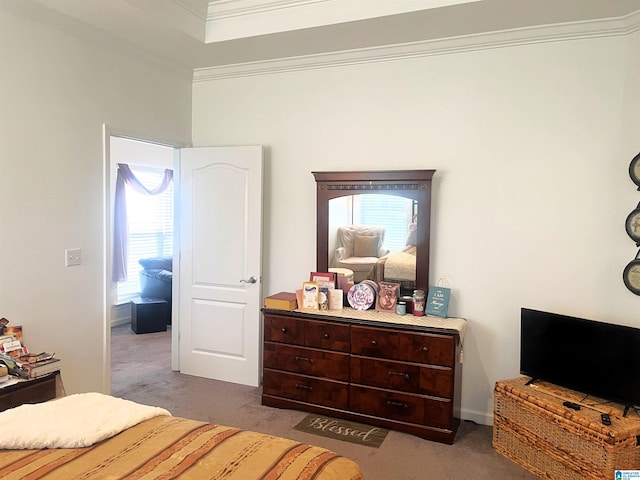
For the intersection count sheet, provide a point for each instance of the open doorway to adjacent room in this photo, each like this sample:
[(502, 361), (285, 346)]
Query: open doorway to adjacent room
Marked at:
[(142, 249)]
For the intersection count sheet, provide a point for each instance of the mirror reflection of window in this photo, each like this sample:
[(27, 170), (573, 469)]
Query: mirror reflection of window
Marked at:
[(394, 213), (389, 211)]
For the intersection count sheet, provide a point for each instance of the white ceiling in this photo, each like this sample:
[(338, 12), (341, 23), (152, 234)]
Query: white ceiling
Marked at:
[(199, 33)]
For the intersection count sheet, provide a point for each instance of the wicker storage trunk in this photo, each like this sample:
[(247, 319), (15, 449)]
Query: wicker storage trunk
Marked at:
[(532, 427)]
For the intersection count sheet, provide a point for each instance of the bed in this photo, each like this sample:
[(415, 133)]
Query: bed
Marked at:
[(397, 267), (118, 439)]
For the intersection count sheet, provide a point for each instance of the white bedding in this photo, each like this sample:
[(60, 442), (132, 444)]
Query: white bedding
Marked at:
[(70, 422), (400, 266)]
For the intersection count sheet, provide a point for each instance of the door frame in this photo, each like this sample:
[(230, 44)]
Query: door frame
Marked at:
[(108, 195)]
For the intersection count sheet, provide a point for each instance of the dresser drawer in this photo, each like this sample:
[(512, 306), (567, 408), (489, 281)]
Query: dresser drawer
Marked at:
[(325, 392), (283, 329), (308, 361), (408, 377), (406, 407), (332, 336), (32, 391), (407, 346)]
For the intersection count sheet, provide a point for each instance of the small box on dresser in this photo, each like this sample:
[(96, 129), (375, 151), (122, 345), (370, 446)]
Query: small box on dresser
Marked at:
[(533, 428)]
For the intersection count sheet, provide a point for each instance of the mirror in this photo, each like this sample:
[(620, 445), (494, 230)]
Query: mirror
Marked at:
[(343, 199)]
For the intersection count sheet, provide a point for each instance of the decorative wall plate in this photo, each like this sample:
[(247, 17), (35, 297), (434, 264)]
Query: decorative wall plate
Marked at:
[(634, 170), (632, 225), (631, 276), (361, 296)]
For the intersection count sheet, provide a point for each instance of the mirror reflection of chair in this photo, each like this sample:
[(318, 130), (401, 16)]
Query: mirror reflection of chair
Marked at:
[(359, 248)]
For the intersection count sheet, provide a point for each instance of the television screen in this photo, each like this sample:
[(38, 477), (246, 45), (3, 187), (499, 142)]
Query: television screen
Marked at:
[(592, 357)]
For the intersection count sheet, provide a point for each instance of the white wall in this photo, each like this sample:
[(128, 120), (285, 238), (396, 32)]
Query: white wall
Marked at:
[(56, 91), (531, 189), (631, 119)]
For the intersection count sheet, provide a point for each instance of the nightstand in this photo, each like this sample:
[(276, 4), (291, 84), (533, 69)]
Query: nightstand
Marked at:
[(31, 391)]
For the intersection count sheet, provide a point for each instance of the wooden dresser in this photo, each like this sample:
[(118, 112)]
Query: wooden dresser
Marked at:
[(398, 372)]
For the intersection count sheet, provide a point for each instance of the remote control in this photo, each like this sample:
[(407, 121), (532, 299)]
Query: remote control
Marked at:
[(606, 419), (572, 405)]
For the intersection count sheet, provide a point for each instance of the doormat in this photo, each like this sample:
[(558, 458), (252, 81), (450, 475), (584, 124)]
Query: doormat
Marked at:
[(335, 428)]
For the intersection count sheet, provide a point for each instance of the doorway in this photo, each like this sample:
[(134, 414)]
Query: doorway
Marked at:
[(219, 192), (149, 226)]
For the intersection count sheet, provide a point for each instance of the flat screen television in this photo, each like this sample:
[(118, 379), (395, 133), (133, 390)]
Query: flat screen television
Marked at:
[(592, 357)]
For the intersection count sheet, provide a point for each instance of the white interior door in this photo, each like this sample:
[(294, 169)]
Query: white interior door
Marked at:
[(220, 271)]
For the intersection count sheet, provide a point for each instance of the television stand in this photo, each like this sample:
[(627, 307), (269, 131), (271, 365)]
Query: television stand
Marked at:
[(533, 428)]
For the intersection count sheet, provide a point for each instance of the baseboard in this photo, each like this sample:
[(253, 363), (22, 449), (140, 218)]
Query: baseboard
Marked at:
[(120, 314), (483, 418)]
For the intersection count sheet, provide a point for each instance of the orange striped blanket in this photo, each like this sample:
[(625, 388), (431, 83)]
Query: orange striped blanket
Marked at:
[(166, 447)]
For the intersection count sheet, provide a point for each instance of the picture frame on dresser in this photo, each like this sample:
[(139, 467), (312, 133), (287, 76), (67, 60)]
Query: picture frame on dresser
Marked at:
[(323, 279), (310, 296)]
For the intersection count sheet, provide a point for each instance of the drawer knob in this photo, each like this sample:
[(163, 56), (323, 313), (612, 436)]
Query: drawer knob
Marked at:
[(284, 330), (326, 335), (304, 359), (374, 343), (398, 374), (304, 387), (425, 349), (391, 403)]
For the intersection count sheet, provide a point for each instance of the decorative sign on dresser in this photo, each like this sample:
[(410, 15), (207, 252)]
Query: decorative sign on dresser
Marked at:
[(379, 368)]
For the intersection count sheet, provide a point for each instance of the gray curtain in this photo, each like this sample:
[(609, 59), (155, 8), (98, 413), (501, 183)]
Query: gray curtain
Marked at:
[(120, 226)]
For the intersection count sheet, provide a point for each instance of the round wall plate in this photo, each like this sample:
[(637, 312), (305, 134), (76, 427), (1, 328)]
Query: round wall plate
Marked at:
[(634, 170), (632, 225), (631, 276)]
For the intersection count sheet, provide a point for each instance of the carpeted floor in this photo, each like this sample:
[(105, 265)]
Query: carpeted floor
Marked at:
[(141, 371)]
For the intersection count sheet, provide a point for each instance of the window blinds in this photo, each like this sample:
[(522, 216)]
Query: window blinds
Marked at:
[(150, 224)]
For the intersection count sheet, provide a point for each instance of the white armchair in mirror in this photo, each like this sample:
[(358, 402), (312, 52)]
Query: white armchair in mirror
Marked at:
[(358, 249)]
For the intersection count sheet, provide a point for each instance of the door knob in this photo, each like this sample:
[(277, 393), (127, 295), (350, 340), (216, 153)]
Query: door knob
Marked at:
[(252, 279)]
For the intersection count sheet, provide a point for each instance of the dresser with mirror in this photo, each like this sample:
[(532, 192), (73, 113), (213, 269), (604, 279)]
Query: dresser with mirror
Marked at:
[(395, 371)]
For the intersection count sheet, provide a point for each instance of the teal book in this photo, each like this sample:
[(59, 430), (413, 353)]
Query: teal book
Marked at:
[(438, 301)]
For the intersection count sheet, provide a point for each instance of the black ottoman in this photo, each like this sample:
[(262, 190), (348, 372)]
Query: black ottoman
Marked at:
[(150, 315)]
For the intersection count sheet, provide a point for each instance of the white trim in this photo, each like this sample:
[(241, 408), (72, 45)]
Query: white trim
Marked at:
[(107, 292), (231, 19), (507, 38), (219, 9), (121, 314), (177, 262), (483, 418)]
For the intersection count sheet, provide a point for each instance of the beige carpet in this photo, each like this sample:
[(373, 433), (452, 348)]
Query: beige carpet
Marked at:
[(141, 371)]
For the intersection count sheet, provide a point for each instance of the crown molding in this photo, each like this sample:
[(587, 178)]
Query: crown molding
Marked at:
[(200, 15), (219, 9), (233, 19), (612, 27)]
